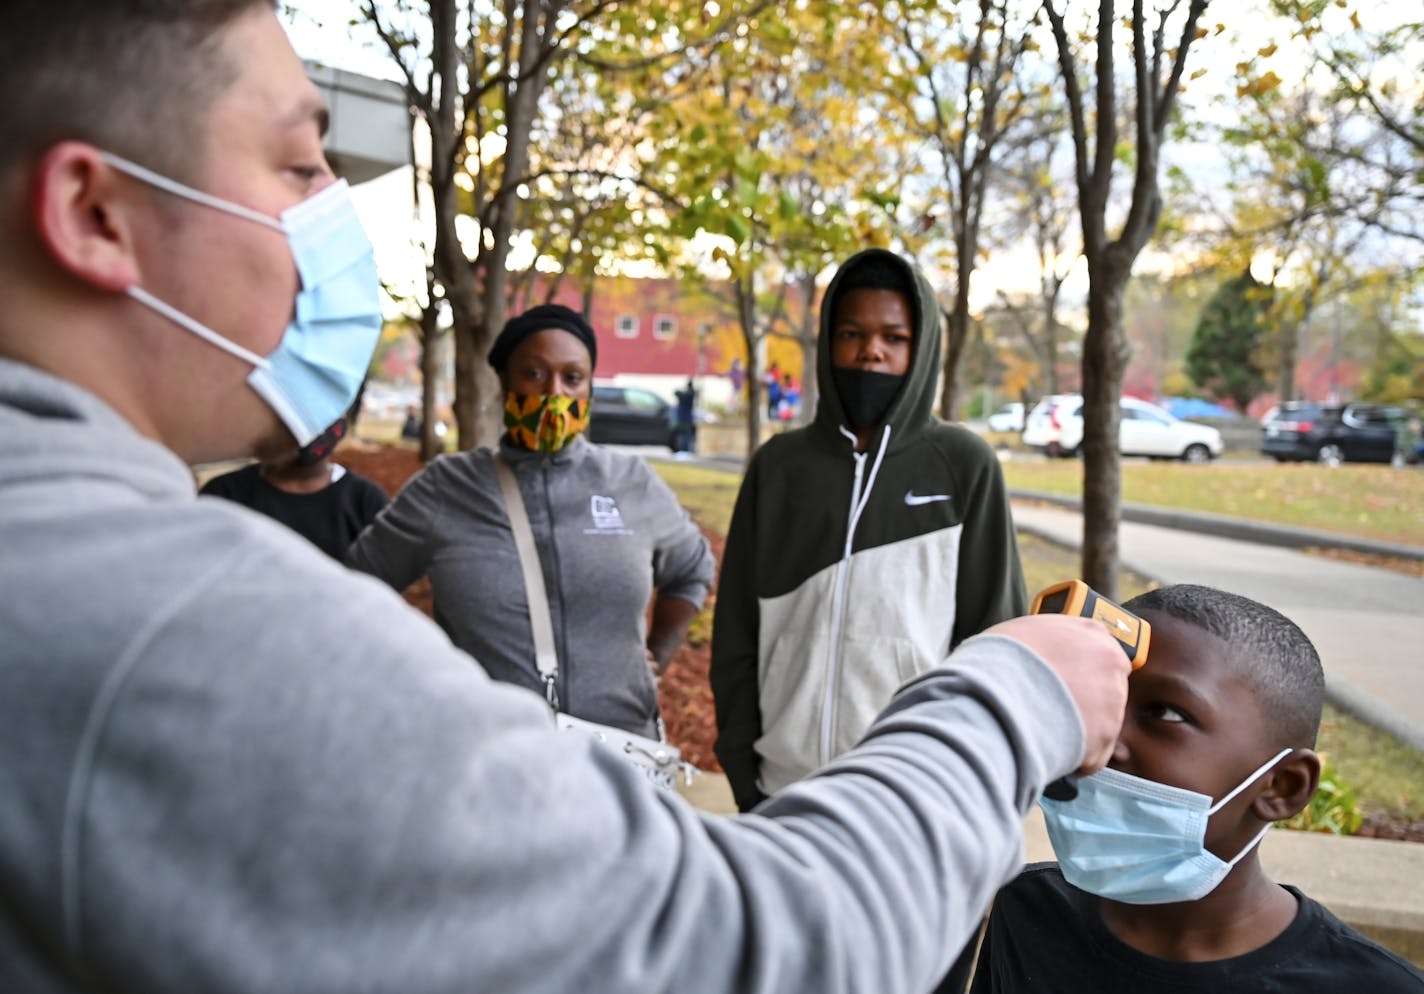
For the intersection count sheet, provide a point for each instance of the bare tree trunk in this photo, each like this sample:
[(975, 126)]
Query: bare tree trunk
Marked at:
[(1285, 368), (481, 411), (1105, 355), (1051, 293), (810, 326), (956, 339), (429, 373), (465, 319), (1110, 261), (452, 269), (746, 317)]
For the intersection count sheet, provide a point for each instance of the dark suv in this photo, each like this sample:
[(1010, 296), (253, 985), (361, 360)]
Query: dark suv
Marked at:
[(629, 416), (1331, 433)]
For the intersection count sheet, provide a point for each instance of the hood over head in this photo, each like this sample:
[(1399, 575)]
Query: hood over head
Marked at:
[(913, 406)]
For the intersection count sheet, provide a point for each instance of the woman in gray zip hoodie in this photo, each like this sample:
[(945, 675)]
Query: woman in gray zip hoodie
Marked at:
[(607, 531), (863, 547)]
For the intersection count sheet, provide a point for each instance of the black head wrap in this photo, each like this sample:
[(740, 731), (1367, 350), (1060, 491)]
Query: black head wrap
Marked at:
[(537, 319)]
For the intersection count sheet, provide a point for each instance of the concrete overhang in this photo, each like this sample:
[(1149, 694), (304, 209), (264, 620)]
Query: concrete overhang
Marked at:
[(370, 126)]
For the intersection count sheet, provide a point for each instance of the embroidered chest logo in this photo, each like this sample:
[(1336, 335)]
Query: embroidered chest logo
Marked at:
[(913, 499), (607, 519)]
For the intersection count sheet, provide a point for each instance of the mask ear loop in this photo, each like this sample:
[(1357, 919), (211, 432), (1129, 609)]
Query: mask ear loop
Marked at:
[(138, 293), (189, 193), (201, 330), (1239, 788), (1248, 781)]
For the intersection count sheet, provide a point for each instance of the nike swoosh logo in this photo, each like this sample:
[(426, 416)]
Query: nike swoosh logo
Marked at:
[(915, 500)]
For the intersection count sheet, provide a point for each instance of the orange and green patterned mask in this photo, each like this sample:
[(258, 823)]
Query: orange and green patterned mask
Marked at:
[(543, 422)]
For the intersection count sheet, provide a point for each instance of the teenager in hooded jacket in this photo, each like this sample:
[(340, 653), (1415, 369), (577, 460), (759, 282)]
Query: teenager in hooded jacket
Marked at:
[(863, 547)]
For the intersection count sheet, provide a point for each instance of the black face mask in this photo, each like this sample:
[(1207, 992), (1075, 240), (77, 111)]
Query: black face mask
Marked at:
[(322, 446), (865, 395)]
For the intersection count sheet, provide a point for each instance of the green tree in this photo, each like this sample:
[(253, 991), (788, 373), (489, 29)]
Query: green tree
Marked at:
[(1222, 357), (481, 78), (766, 147)]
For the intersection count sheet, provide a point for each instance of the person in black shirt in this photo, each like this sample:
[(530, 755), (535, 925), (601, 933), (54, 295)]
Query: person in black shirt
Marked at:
[(1158, 885), (315, 497)]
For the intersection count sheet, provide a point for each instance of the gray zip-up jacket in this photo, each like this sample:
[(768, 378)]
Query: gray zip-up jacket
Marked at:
[(847, 573), (608, 530), (229, 765)]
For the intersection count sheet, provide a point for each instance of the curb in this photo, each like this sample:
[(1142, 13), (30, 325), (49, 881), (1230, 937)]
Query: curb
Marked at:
[(1240, 529)]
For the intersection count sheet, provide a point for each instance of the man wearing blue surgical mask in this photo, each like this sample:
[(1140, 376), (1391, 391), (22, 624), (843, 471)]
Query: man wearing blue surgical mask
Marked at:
[(1158, 884), (226, 763)]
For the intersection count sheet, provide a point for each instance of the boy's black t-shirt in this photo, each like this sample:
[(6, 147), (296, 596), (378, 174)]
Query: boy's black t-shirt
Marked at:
[(331, 518), (1045, 935)]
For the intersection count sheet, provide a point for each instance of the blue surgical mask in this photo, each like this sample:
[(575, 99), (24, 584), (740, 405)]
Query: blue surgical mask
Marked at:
[(1140, 842), (312, 377)]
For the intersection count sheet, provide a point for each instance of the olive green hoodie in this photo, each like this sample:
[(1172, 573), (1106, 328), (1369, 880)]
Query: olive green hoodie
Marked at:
[(848, 573)]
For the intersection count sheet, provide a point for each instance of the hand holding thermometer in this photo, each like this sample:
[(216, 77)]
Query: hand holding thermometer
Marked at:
[(1074, 597)]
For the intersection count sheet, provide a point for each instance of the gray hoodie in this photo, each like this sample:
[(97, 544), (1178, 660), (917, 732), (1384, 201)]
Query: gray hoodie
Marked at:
[(227, 764)]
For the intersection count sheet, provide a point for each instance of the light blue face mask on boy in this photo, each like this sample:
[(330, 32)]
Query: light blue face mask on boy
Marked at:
[(1140, 842), (312, 377)]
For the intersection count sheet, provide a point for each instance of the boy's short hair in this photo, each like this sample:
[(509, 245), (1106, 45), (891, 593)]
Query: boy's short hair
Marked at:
[(134, 77), (879, 271), (1280, 664)]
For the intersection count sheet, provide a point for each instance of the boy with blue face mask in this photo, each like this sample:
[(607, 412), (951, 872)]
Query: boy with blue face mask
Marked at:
[(1158, 884)]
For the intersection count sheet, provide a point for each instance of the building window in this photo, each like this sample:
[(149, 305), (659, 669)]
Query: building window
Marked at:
[(665, 327), (626, 326)]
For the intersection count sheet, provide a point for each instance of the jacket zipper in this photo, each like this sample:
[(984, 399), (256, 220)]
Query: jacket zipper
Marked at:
[(838, 605), (833, 650), (557, 591)]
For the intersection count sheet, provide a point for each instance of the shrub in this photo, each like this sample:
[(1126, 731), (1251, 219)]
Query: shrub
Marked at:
[(1333, 808)]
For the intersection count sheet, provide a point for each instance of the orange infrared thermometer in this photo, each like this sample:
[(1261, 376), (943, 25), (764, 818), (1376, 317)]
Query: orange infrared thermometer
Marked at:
[(1074, 597)]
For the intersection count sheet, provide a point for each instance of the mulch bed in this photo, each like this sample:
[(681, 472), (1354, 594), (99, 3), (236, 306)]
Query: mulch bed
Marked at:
[(684, 692), (1387, 827)]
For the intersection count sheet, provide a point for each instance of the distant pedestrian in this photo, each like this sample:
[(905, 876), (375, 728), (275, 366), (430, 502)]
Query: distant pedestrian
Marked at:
[(1406, 440), (790, 399), (737, 378), (772, 381), (684, 430)]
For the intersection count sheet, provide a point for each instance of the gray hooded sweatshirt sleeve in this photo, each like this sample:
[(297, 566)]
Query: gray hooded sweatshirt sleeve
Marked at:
[(227, 764)]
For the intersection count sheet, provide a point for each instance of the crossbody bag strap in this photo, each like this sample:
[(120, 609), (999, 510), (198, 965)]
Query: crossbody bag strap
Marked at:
[(545, 656)]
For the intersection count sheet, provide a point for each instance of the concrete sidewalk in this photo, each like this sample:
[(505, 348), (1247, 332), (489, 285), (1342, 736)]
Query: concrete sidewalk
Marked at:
[(1372, 884), (1367, 623)]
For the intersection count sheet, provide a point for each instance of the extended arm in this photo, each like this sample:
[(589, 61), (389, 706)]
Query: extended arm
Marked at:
[(406, 824), (672, 616), (396, 547)]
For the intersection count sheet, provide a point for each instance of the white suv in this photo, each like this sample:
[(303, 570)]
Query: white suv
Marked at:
[(1056, 427)]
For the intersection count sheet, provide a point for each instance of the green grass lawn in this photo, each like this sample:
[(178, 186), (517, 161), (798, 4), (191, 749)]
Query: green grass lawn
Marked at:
[(1386, 775), (1368, 501)]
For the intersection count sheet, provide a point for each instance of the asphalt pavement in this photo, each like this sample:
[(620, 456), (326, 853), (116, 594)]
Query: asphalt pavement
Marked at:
[(1366, 622)]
